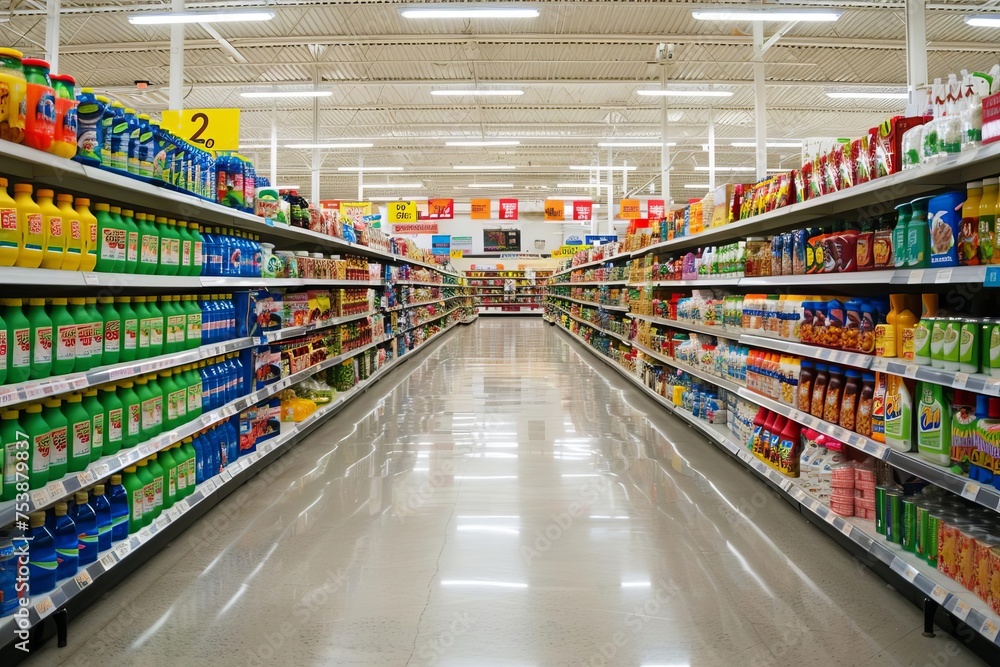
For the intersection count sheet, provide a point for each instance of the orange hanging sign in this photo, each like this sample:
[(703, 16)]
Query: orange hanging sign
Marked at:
[(555, 210), (629, 209), (480, 209)]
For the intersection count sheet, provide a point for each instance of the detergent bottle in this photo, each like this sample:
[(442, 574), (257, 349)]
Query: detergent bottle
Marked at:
[(166, 461), (66, 540), (89, 112), (10, 236), (110, 240), (131, 240), (40, 120), (146, 149), (63, 337), (85, 519), (145, 321), (149, 509), (157, 325), (18, 341), (41, 339), (898, 415), (149, 245), (42, 561), (97, 425), (102, 511), (186, 250), (121, 134), (134, 133), (64, 139), (933, 424), (79, 424), (129, 331), (40, 442), (53, 231), (107, 132), (88, 225), (59, 432), (13, 109), (13, 440), (118, 496), (131, 414), (96, 332), (170, 248), (135, 494), (73, 229), (113, 420), (112, 320), (77, 309), (198, 250), (30, 226)]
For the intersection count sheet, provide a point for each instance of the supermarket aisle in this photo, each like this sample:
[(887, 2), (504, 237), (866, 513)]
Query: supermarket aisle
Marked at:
[(507, 502)]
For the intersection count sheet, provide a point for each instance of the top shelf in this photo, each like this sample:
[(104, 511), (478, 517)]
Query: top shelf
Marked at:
[(876, 197), (597, 262)]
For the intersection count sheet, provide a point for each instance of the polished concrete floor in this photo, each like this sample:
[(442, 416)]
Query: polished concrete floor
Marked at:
[(506, 499)]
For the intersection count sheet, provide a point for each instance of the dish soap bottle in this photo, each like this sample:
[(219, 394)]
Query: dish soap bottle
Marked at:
[(898, 415), (934, 424)]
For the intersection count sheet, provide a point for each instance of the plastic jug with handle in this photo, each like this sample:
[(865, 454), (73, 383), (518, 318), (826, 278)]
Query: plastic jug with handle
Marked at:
[(30, 227), (53, 231), (40, 120), (15, 90), (64, 139)]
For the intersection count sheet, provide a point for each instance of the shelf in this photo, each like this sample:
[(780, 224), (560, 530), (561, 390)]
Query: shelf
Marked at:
[(423, 323), (615, 258), (855, 359), (717, 380), (707, 282), (623, 309), (412, 305), (821, 279), (420, 283), (33, 390), (686, 326), (510, 312), (949, 276), (295, 332), (877, 195), (932, 584), (606, 332), (12, 275), (44, 604), (623, 281)]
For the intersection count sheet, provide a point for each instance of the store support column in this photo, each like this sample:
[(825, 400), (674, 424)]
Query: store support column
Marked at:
[(664, 148), (177, 60), (52, 9), (759, 99), (916, 49)]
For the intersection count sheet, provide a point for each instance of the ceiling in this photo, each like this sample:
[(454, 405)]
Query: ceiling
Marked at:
[(579, 63)]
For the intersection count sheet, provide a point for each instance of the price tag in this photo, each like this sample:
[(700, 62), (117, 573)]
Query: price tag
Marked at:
[(122, 549), (108, 562), (785, 485), (961, 380), (83, 579), (943, 276), (970, 491), (990, 630), (40, 497), (916, 276), (91, 278), (86, 478), (910, 573), (210, 485), (961, 610), (939, 594), (226, 475), (56, 490), (118, 373), (44, 607), (181, 507), (34, 391), (846, 529)]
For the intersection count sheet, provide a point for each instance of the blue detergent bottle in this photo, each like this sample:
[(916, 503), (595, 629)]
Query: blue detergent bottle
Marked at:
[(85, 519), (42, 560), (232, 439), (199, 458), (134, 139), (120, 135), (102, 508), (8, 575), (118, 497), (215, 460), (67, 541), (89, 132)]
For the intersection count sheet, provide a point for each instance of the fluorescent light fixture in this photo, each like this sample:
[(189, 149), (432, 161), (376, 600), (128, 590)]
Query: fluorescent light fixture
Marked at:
[(489, 92), (481, 12), (659, 92), (169, 18), (766, 14), (249, 147), (770, 144), (483, 186), (696, 186), (866, 95), (583, 474), (636, 584), (727, 169), (981, 21), (634, 144), (261, 94), (287, 187), (359, 145), (482, 582), (367, 169), (584, 167), (485, 476), (483, 167), (492, 142), (576, 185), (392, 186)]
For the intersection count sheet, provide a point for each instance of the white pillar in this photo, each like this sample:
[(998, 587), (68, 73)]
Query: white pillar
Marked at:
[(274, 145), (315, 151), (759, 99), (711, 150), (595, 224), (916, 48), (52, 8), (177, 60), (664, 149), (624, 178), (611, 196), (361, 178)]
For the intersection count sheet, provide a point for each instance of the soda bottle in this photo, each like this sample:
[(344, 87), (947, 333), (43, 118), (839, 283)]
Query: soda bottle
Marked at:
[(102, 510), (73, 229), (114, 420), (30, 228), (118, 496), (88, 226), (85, 519), (58, 455), (97, 424), (41, 339), (40, 441), (79, 424)]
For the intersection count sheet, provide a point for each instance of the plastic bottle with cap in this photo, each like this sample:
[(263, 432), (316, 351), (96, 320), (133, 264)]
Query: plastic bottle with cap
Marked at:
[(118, 497), (77, 309), (149, 244), (149, 510), (67, 541), (131, 240), (112, 320), (89, 112), (110, 241), (10, 237), (157, 327), (98, 426), (64, 140), (40, 445), (41, 339), (96, 331), (88, 227), (79, 426), (166, 460), (129, 332), (63, 337), (73, 229), (12, 112), (14, 447), (59, 435), (85, 519), (53, 231), (131, 414), (102, 511), (18, 341), (145, 321), (135, 494), (42, 560), (30, 227), (114, 419), (40, 116)]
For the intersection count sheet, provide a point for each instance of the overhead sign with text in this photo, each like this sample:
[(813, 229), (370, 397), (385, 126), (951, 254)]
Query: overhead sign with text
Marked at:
[(211, 129)]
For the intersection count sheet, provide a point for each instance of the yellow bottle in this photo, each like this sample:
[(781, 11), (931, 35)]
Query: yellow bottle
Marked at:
[(29, 224), (906, 327), (929, 305), (54, 231), (10, 239), (73, 229), (88, 226)]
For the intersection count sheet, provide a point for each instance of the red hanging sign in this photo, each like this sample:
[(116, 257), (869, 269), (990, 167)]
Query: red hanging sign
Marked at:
[(655, 209), (508, 209), (583, 210), (439, 209)]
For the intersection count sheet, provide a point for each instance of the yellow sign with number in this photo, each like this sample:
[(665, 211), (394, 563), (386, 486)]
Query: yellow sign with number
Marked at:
[(400, 212), (211, 129), (457, 254)]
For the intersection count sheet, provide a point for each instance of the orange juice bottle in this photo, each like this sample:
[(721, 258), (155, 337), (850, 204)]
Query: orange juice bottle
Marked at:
[(88, 226), (10, 238), (54, 231), (30, 227), (73, 229)]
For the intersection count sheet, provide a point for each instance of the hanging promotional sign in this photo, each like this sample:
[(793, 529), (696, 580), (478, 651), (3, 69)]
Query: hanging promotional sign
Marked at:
[(508, 209), (555, 210), (566, 250), (600, 239), (583, 210), (480, 209), (655, 209), (441, 244), (439, 209), (629, 209), (355, 211), (211, 129), (457, 253), (461, 243), (415, 228), (401, 212)]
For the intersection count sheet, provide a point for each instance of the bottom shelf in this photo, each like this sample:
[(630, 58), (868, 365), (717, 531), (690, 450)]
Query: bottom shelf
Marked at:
[(206, 495), (927, 581)]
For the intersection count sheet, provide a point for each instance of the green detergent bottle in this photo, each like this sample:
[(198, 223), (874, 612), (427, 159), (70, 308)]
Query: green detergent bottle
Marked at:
[(14, 447), (145, 327), (934, 424), (166, 460), (131, 414), (175, 325), (114, 420), (170, 391), (77, 309), (149, 243), (63, 337), (159, 483), (59, 432), (918, 235), (198, 252), (79, 425), (180, 458), (4, 350), (187, 249), (40, 439), (192, 469), (97, 333), (112, 329), (148, 426), (41, 340), (18, 341), (110, 241), (193, 311), (192, 379), (129, 348), (131, 240), (156, 327), (167, 263), (135, 489), (148, 492), (97, 424)]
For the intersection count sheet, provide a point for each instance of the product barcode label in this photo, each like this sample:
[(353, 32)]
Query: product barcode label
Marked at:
[(990, 630), (83, 579), (846, 529), (961, 380), (8, 395), (123, 549), (962, 609), (108, 562), (117, 373), (91, 278), (916, 276), (86, 478), (943, 276), (44, 607), (939, 594), (910, 573), (40, 497)]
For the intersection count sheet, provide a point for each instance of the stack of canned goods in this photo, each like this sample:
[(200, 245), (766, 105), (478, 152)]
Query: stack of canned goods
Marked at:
[(960, 539), (959, 344)]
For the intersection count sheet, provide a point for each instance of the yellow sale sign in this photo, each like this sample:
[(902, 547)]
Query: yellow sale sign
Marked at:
[(401, 212), (211, 129), (629, 209), (457, 253)]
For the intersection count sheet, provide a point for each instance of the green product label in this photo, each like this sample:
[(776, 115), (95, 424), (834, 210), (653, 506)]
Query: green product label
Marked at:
[(158, 492), (194, 326), (130, 333), (193, 398), (145, 330), (949, 349), (97, 436), (134, 419), (172, 482), (148, 498), (60, 440), (81, 439), (150, 243), (14, 452), (148, 414), (156, 331), (967, 345), (43, 345), (175, 328), (43, 450), (115, 425)]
